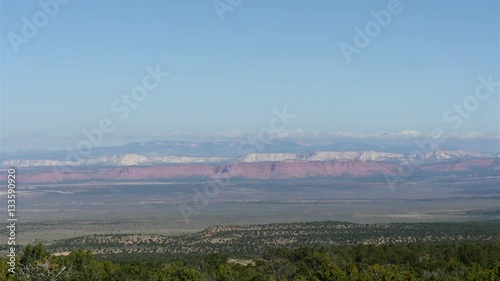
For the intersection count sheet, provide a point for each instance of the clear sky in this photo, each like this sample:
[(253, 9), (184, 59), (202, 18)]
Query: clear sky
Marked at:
[(228, 75)]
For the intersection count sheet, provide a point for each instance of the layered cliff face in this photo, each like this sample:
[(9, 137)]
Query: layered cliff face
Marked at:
[(159, 166), (131, 159), (465, 165), (261, 170)]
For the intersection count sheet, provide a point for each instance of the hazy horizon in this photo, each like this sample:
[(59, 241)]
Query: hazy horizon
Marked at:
[(426, 67)]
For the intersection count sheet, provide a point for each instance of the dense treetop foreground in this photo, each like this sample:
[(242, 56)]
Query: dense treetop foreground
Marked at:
[(328, 250), (415, 261)]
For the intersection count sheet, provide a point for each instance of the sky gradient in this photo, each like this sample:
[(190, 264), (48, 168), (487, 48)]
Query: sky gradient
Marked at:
[(228, 75)]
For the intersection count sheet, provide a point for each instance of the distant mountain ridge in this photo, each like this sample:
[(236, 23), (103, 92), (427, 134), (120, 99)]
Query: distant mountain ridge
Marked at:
[(276, 160), (130, 159), (258, 170), (215, 149)]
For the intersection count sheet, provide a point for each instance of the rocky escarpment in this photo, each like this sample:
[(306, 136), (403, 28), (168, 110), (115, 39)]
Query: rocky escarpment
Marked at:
[(262, 170), (132, 159)]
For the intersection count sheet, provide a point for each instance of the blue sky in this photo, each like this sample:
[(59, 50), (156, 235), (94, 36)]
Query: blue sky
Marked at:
[(228, 75)]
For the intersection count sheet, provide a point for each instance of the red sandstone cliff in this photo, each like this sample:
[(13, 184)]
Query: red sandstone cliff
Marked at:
[(278, 170)]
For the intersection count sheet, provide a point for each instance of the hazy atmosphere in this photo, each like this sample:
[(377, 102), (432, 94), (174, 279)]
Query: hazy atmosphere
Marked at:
[(249, 140), (229, 67)]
